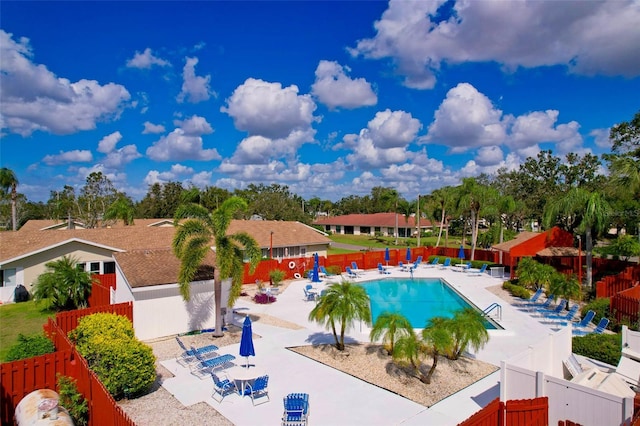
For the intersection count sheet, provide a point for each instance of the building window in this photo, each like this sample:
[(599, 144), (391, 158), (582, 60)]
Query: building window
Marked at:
[(109, 268), (338, 229), (9, 277)]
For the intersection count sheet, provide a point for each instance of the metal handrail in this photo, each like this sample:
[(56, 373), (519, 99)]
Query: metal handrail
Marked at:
[(491, 307)]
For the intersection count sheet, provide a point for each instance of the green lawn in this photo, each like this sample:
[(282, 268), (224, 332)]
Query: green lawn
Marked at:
[(384, 242), (19, 318)]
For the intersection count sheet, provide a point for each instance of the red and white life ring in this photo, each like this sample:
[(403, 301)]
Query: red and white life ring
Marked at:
[(292, 264), (297, 276)]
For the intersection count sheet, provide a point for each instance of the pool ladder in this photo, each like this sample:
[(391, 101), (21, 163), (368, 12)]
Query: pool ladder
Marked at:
[(491, 307)]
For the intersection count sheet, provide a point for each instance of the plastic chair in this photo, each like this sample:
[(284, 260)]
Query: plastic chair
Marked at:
[(258, 389), (296, 409), (221, 388), (188, 355)]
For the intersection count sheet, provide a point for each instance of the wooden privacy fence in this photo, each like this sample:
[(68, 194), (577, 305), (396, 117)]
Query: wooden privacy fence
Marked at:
[(626, 305), (101, 289), (19, 378), (520, 412), (613, 284)]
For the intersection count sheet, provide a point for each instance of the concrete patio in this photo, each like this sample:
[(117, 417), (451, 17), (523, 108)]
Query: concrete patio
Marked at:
[(337, 398)]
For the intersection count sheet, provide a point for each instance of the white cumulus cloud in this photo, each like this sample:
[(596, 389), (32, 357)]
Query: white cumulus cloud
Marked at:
[(109, 142), (334, 88), (146, 60), (75, 156), (194, 88), (194, 126), (150, 128), (587, 37), (33, 98)]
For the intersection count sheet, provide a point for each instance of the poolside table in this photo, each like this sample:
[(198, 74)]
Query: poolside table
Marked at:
[(243, 375)]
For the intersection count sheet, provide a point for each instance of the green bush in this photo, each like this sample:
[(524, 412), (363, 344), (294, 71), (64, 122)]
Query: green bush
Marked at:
[(30, 346), (333, 269), (276, 276), (73, 400), (600, 306), (124, 365), (516, 290), (603, 347)]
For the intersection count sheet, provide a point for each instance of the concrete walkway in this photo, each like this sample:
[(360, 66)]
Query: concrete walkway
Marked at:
[(337, 398)]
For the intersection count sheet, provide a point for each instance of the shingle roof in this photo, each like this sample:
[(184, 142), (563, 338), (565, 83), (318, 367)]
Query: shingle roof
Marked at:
[(144, 236), (145, 268), (374, 219), (519, 239), (558, 251)]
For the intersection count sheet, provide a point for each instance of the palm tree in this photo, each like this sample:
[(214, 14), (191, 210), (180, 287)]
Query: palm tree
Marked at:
[(121, 208), (566, 287), (438, 339), (589, 209), (8, 184), (442, 200), (410, 348), (390, 326), (193, 241), (342, 304), (467, 329), (63, 286)]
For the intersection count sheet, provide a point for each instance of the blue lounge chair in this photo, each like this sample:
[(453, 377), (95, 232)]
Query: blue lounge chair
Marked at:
[(188, 355), (221, 387), (555, 311), (482, 270), (534, 298), (584, 323), (258, 389), (206, 366), (433, 263), (324, 271), (602, 325), (354, 267), (446, 264), (544, 305), (403, 267), (562, 317), (382, 269), (350, 273), (296, 409)]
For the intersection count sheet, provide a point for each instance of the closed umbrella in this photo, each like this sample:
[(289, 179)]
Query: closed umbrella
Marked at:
[(246, 340), (408, 254), (315, 276), (461, 253), (387, 256)]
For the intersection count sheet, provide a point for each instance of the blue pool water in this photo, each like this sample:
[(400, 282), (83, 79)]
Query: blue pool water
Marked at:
[(417, 299)]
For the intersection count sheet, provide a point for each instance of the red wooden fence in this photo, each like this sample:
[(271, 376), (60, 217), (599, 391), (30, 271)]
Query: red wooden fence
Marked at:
[(491, 415), (625, 305), (101, 290), (521, 412), (613, 284)]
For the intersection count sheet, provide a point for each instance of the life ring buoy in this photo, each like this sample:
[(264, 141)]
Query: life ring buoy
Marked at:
[(292, 264), (297, 276)]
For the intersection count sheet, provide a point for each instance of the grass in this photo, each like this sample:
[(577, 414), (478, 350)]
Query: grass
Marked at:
[(384, 242), (20, 318)]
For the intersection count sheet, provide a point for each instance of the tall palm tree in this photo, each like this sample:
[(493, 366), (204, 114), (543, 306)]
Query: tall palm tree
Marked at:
[(8, 184), (193, 240), (442, 200), (342, 304), (583, 211), (390, 326)]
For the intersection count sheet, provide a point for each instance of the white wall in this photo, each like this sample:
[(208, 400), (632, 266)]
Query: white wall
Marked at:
[(538, 371)]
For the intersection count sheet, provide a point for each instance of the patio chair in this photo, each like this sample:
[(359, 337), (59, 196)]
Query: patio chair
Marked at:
[(188, 355), (602, 325), (584, 323), (221, 388), (324, 271), (573, 366), (382, 269), (533, 299), (445, 264), (309, 294), (351, 273), (206, 366), (354, 266), (543, 305), (403, 267), (433, 263), (545, 312), (296, 409), (562, 317), (478, 272), (258, 389)]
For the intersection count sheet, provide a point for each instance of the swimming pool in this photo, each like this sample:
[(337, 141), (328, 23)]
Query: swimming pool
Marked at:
[(417, 299)]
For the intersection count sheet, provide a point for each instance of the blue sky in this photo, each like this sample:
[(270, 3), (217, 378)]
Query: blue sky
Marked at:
[(329, 98)]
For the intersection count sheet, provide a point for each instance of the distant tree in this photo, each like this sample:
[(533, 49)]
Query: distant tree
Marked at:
[(96, 196), (342, 304), (626, 137), (274, 202), (390, 326), (62, 204), (8, 185), (212, 197), (192, 242), (121, 209), (441, 202), (624, 247), (63, 285)]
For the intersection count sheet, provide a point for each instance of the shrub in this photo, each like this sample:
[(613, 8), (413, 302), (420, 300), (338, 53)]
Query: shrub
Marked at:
[(276, 276), (73, 400), (333, 269), (600, 306), (124, 365), (603, 347), (263, 298), (516, 290), (30, 346)]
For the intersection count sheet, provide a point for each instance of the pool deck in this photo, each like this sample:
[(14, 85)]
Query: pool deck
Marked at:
[(337, 398)]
